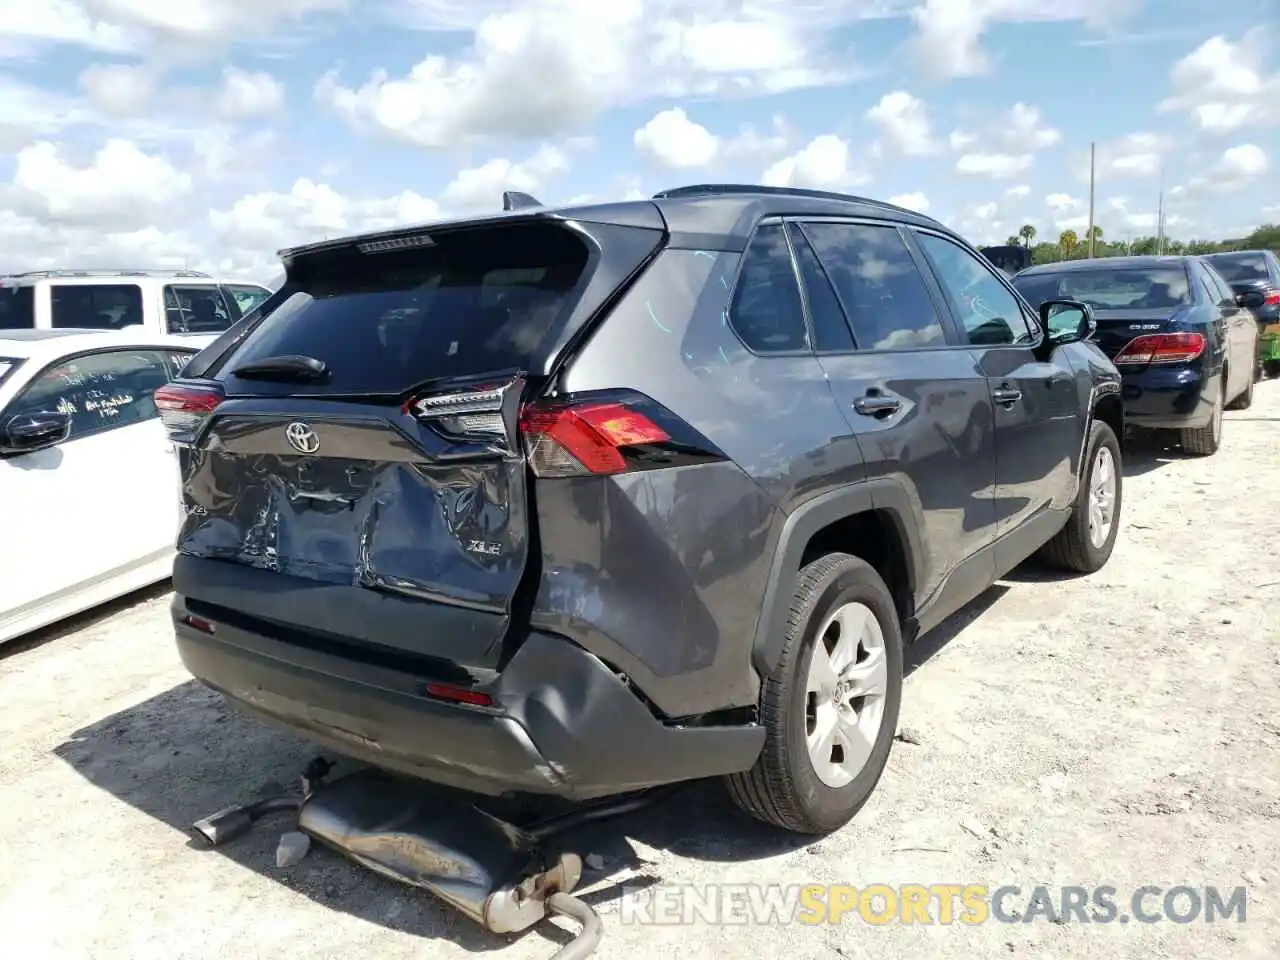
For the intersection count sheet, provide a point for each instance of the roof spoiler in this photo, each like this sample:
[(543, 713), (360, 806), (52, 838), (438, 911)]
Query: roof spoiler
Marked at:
[(515, 200)]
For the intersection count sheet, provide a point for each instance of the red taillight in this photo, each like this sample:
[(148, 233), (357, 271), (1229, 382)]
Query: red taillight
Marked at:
[(184, 408), (584, 438), (444, 691), (1273, 298), (1161, 348)]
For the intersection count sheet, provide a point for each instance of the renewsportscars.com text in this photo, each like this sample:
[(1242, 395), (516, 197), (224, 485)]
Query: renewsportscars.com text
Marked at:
[(929, 904)]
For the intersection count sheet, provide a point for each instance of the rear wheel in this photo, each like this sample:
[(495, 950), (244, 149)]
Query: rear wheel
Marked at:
[(1085, 544), (1205, 441), (830, 709)]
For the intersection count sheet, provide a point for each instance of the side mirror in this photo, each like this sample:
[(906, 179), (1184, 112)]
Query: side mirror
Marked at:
[(28, 432), (1067, 321), (1251, 300)]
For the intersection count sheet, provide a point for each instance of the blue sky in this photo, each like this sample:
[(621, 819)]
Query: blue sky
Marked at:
[(213, 132)]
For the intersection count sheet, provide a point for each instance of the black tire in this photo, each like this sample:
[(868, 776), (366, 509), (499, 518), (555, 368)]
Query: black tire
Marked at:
[(1272, 367), (783, 788), (1245, 400), (1207, 440), (1071, 548)]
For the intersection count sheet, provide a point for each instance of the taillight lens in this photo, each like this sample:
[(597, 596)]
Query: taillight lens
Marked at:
[(1273, 298), (184, 408), (584, 438), (1161, 348)]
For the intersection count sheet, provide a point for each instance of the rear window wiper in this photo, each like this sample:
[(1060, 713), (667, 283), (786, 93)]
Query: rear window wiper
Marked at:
[(293, 366)]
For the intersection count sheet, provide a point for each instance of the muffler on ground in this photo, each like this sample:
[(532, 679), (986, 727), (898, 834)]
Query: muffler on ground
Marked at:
[(492, 871)]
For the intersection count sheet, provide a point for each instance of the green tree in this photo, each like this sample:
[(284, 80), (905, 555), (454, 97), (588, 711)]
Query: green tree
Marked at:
[(1028, 233), (1067, 243), (1011, 240)]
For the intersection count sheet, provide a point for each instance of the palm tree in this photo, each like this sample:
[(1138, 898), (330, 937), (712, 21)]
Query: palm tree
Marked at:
[(1067, 243), (1028, 233), (1011, 241), (1096, 233)]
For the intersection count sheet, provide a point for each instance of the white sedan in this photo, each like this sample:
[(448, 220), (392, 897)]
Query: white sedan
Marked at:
[(90, 502)]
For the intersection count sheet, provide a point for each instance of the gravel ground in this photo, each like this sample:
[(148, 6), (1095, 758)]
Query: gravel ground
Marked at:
[(1122, 729)]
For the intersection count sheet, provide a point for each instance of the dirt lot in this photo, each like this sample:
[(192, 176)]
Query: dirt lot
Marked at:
[(1122, 729)]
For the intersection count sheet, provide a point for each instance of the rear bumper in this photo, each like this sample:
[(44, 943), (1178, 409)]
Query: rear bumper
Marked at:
[(1167, 398), (565, 724)]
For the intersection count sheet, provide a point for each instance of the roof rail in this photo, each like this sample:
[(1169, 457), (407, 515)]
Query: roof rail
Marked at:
[(729, 189), (125, 272)]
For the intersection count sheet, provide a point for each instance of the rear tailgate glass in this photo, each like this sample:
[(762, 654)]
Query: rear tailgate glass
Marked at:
[(383, 322)]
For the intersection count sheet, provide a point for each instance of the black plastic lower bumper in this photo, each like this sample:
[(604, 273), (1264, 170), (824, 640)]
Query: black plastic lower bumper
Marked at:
[(564, 724)]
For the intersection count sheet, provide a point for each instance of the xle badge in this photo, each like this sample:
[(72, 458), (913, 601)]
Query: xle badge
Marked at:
[(486, 547)]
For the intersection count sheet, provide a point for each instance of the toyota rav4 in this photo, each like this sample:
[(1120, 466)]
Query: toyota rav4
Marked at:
[(583, 501)]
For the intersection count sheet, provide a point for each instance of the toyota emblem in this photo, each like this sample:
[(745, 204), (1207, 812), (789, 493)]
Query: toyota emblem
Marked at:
[(302, 438)]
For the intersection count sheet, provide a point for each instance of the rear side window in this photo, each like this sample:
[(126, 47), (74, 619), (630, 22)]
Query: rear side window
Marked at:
[(831, 332), (17, 308), (479, 301), (1221, 292), (190, 309), (7, 366), (766, 311), (875, 277), (107, 306)]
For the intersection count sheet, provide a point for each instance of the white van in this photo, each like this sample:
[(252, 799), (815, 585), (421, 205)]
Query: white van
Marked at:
[(186, 303)]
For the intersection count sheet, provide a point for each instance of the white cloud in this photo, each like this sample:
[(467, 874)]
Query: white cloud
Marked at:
[(1224, 86), (34, 24), (588, 56), (825, 163), (118, 89), (997, 166), (480, 188), (245, 95), (960, 139), (121, 187), (675, 141), (1137, 155), (904, 120), (1237, 168), (1061, 202), (912, 201), (1022, 130), (199, 20), (950, 31)]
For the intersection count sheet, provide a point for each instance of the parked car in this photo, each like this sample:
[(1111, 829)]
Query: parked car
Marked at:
[(1172, 326), (1254, 275), (582, 501), (1010, 258), (89, 486), (159, 302)]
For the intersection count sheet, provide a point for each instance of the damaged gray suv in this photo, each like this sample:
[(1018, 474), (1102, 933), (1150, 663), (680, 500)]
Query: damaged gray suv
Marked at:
[(582, 501)]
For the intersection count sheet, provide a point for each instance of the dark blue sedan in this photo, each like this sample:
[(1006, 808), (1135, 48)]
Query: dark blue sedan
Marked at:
[(1184, 348)]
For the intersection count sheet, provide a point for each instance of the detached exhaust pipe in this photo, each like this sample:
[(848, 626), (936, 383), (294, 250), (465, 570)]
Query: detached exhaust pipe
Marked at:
[(226, 825), (490, 870)]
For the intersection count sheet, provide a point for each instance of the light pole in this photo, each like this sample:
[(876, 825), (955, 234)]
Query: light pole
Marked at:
[(1092, 159)]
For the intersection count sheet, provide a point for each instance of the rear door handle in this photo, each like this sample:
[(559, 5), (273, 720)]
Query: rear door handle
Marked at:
[(1005, 394), (877, 406)]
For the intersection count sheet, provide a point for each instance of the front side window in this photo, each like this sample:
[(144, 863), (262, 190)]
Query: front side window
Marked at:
[(989, 313), (90, 306), (101, 391), (246, 295), (877, 282), (766, 311), (1240, 267), (195, 309)]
